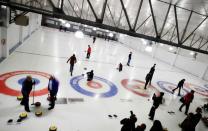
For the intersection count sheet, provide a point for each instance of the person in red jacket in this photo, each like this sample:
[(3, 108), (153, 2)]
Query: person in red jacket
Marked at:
[(188, 99), (88, 52)]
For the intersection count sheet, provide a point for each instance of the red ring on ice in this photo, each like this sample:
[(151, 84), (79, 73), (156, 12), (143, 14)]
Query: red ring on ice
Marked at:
[(94, 84), (132, 88), (4, 89), (198, 89)]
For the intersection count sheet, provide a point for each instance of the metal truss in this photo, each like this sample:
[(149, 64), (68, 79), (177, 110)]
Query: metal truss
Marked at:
[(13, 14), (132, 30)]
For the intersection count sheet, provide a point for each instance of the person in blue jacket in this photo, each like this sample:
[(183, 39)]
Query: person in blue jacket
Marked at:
[(53, 88)]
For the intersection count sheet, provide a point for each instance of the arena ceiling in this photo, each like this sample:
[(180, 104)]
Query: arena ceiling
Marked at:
[(179, 23)]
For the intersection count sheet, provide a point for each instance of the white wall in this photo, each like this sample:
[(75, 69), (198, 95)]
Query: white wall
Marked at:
[(183, 60), (16, 33), (12, 35)]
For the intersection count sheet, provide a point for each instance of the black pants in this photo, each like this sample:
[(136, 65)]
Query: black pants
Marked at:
[(25, 101), (152, 112), (88, 55), (187, 107), (179, 92), (150, 79), (93, 40), (53, 98), (71, 68), (146, 83)]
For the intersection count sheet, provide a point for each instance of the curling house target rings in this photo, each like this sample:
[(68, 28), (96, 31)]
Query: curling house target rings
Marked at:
[(198, 89), (168, 87), (137, 88), (4, 89), (75, 85)]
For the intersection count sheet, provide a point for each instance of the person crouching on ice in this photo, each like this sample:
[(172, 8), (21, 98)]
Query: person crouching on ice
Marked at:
[(90, 75)]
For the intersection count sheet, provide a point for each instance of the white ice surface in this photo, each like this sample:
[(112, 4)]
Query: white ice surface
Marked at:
[(48, 50)]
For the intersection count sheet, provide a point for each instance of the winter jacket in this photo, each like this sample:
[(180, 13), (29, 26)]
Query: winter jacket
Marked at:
[(157, 100), (130, 56), (148, 77), (55, 85), (196, 119), (89, 50), (180, 84), (27, 87), (188, 98), (152, 70), (72, 60)]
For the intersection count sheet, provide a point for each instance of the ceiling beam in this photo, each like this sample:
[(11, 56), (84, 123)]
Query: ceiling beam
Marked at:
[(127, 18), (93, 11), (176, 20), (103, 10), (166, 16), (143, 22), (194, 30), (95, 24), (153, 17), (184, 32), (137, 16)]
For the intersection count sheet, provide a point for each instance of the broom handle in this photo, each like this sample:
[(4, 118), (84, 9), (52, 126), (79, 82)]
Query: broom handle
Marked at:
[(33, 93)]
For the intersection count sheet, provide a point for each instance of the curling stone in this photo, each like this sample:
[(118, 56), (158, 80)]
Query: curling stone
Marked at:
[(85, 68), (22, 115), (179, 124), (38, 113), (52, 128), (19, 98), (10, 121), (37, 104), (48, 98)]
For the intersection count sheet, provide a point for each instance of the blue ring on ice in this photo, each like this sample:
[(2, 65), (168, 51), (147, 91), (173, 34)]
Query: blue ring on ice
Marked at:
[(20, 81), (206, 86), (74, 82), (161, 84)]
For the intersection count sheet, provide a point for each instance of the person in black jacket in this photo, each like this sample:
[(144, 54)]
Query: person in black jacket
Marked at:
[(90, 75), (142, 127), (157, 100), (196, 118), (120, 67), (26, 89), (147, 78), (180, 85), (129, 59), (157, 126), (152, 70), (72, 60), (129, 123)]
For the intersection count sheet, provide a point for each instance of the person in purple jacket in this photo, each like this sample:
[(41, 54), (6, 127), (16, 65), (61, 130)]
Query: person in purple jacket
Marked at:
[(53, 88)]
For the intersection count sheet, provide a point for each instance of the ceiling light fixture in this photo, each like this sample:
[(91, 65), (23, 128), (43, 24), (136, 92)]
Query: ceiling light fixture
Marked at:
[(79, 34)]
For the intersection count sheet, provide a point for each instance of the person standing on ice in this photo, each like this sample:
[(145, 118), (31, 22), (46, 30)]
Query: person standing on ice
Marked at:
[(152, 70), (120, 67), (53, 89), (129, 59), (157, 100), (26, 89), (180, 85), (88, 52), (147, 78), (188, 99), (72, 60), (94, 38)]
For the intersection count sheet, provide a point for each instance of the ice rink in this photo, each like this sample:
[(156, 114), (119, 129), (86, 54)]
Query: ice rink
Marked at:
[(110, 93)]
